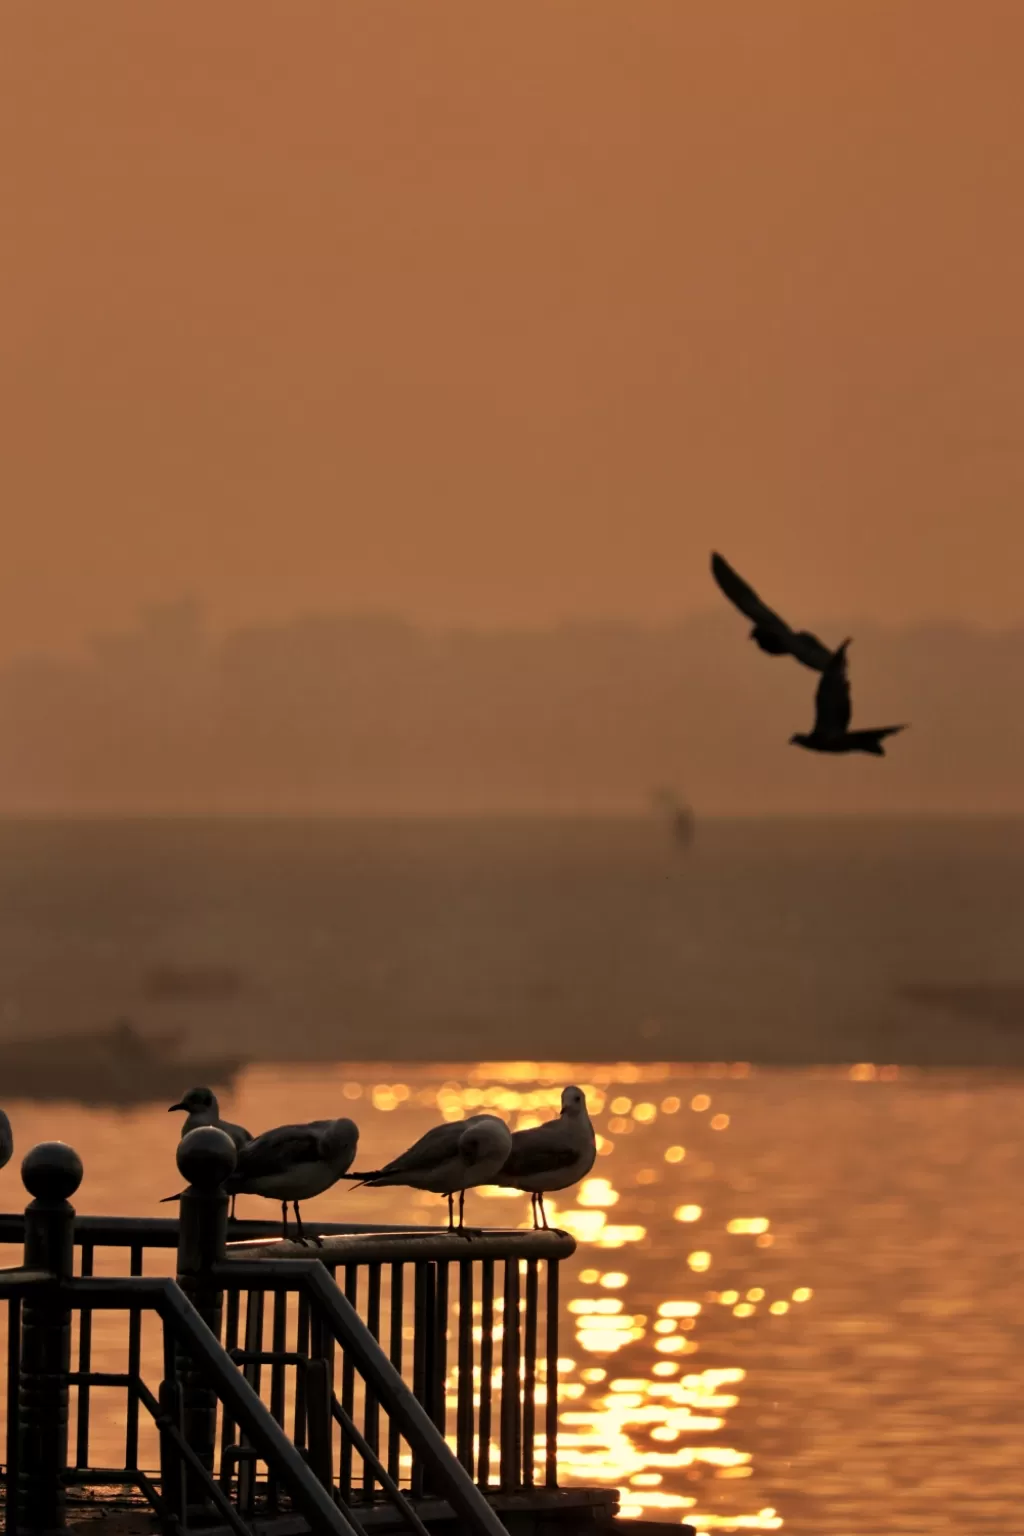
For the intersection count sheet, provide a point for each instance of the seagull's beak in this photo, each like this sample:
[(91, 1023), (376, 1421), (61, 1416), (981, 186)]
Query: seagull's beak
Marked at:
[(172, 1107)]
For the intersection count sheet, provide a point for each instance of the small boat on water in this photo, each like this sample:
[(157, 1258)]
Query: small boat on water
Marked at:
[(118, 1065), (998, 1004)]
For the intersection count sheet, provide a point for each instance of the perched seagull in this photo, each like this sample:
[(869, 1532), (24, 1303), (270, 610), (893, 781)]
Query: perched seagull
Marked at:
[(448, 1160), (294, 1162), (770, 632), (552, 1156), (832, 713), (6, 1140), (202, 1109)]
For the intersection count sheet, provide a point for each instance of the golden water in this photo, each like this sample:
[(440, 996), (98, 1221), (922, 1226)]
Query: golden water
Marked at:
[(797, 1299)]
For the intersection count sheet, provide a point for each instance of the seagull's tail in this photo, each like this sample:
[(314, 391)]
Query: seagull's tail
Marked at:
[(361, 1179), (871, 741)]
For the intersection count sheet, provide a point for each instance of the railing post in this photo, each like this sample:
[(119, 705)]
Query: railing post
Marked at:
[(51, 1173), (205, 1157)]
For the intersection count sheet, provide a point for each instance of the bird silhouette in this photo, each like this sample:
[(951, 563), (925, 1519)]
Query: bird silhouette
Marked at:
[(832, 715), (770, 632)]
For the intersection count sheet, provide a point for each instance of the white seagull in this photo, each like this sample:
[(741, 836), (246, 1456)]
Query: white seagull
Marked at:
[(448, 1160), (202, 1109), (293, 1163), (552, 1156)]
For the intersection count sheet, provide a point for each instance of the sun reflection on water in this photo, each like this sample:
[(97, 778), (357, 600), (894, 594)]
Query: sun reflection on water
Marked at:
[(635, 1414)]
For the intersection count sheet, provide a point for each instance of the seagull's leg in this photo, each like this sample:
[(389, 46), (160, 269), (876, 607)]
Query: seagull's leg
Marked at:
[(543, 1213), (284, 1219), (451, 1212), (533, 1210), (231, 1208), (467, 1232), (316, 1239)]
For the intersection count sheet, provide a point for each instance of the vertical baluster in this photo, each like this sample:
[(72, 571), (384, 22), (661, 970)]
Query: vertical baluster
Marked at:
[(396, 1353), (13, 1368), (440, 1389), (278, 1343), (422, 1292), (253, 1373), (84, 1362), (437, 1383), (131, 1443), (486, 1369), (319, 1389), (530, 1373), (464, 1410), (371, 1410), (173, 1486), (551, 1410), (511, 1452), (348, 1389), (227, 1424), (301, 1348)]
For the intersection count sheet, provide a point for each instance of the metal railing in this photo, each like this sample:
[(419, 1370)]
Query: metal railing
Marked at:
[(426, 1381)]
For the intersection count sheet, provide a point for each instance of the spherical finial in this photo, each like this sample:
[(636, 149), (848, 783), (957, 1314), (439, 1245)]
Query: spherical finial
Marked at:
[(52, 1171), (206, 1157)]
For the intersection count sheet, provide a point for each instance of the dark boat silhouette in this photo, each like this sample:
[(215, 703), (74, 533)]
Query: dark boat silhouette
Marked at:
[(998, 1004), (117, 1065)]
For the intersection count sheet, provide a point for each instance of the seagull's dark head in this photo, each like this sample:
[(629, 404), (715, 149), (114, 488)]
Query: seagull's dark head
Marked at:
[(197, 1101)]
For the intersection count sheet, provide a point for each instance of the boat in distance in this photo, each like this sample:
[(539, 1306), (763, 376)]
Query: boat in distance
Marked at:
[(118, 1065)]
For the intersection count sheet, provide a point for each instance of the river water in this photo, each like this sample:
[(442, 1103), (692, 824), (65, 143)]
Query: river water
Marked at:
[(798, 1298)]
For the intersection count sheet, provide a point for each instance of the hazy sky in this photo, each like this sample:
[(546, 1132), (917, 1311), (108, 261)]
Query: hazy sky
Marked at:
[(507, 313)]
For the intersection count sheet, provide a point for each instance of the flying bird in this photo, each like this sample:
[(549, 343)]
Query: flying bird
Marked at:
[(202, 1108), (770, 632), (554, 1156), (293, 1163), (448, 1160), (832, 714)]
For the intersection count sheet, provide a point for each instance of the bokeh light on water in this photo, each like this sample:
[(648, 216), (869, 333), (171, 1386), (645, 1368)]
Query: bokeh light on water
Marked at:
[(796, 1299)]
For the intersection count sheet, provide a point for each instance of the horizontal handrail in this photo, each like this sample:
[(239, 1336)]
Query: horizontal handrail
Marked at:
[(247, 1409), (351, 1333), (14, 1282), (412, 1245), (162, 1231)]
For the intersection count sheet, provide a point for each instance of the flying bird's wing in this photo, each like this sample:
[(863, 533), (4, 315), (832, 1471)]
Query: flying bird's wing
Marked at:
[(745, 598), (809, 649), (806, 647), (832, 709)]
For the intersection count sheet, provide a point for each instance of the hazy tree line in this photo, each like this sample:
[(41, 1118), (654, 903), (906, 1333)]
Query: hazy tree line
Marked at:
[(351, 713)]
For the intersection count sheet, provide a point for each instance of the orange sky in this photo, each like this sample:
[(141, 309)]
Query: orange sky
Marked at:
[(508, 313)]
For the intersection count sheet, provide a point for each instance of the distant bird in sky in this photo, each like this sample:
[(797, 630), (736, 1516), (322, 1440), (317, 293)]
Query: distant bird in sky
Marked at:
[(6, 1140), (770, 632), (293, 1163), (553, 1156), (448, 1160), (832, 714), (202, 1109)]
